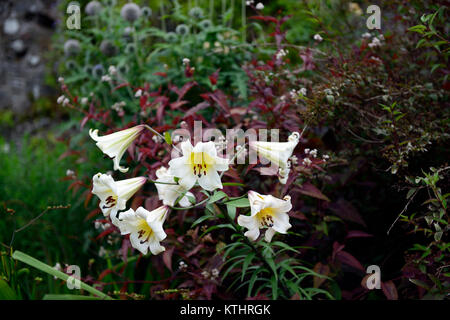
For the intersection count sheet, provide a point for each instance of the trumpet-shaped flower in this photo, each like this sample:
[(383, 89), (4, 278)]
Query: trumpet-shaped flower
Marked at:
[(277, 152), (114, 194), (115, 144), (145, 228), (199, 163), (266, 211), (169, 193)]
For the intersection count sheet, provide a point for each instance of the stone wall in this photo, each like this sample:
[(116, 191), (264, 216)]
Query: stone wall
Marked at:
[(26, 28)]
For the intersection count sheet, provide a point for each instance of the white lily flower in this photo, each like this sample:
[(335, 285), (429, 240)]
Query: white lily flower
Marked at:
[(266, 211), (115, 194), (318, 38), (199, 163), (169, 193), (277, 152), (115, 144), (145, 228)]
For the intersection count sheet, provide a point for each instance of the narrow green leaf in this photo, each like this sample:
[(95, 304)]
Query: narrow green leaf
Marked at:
[(18, 255), (201, 219), (231, 212), (168, 138), (68, 297), (218, 195), (274, 283), (248, 259), (233, 184), (239, 203)]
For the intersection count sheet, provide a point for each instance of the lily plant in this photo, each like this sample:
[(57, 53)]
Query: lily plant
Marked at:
[(197, 166)]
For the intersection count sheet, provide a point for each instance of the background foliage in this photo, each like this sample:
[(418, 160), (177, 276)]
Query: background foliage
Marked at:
[(379, 112)]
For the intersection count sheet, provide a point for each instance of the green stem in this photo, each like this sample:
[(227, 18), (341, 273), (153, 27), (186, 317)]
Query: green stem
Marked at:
[(161, 136), (191, 207), (170, 183)]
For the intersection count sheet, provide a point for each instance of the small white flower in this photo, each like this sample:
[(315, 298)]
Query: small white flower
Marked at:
[(102, 252), (409, 146), (157, 139), (84, 100), (138, 93), (313, 153), (277, 152), (294, 94), (376, 59), (266, 211), (145, 228), (106, 78), (115, 144), (317, 37), (259, 6), (199, 163), (375, 43), (366, 35), (118, 107), (169, 193), (112, 70), (70, 173), (186, 61), (307, 150), (326, 157), (65, 102), (60, 99), (182, 265), (61, 80), (215, 273), (294, 159), (307, 162), (303, 91), (115, 194), (280, 54)]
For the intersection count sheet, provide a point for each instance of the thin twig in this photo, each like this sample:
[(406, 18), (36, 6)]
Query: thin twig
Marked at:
[(404, 209)]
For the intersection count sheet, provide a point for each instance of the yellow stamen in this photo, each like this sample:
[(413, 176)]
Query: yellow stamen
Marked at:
[(200, 163), (265, 217), (145, 232)]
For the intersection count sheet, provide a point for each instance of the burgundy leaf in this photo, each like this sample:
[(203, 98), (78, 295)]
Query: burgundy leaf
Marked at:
[(310, 190), (389, 290), (358, 234), (167, 258), (350, 260), (346, 211), (198, 107)]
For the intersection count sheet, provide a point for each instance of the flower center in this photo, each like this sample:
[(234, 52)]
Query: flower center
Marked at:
[(265, 217), (145, 232), (200, 163), (110, 202)]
